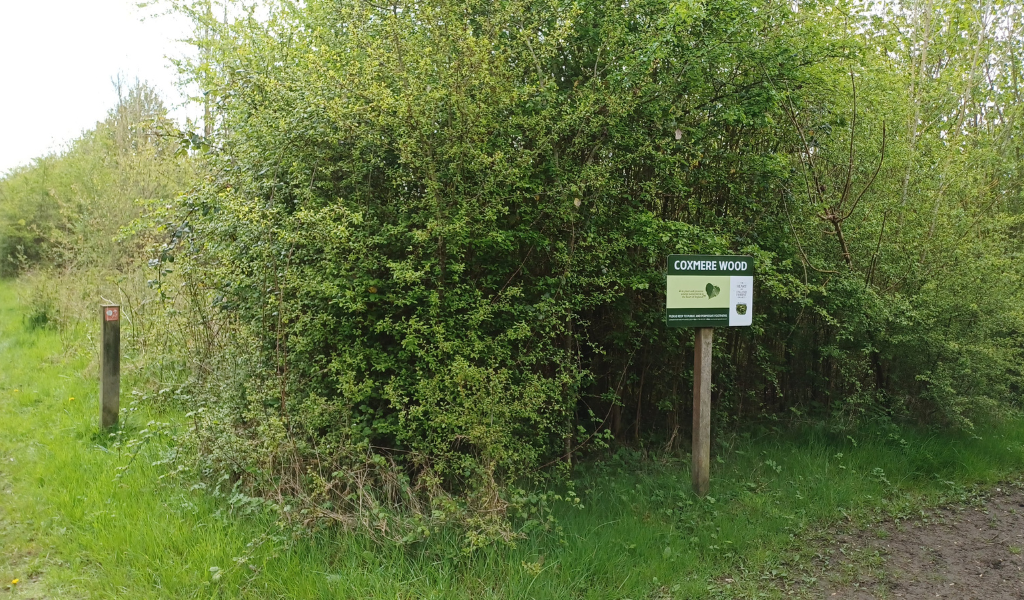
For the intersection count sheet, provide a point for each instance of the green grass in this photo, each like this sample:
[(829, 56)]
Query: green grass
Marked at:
[(71, 526)]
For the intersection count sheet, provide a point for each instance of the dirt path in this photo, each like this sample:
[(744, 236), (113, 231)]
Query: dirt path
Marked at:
[(969, 552)]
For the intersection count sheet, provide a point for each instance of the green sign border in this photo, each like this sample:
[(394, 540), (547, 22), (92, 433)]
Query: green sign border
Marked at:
[(703, 265)]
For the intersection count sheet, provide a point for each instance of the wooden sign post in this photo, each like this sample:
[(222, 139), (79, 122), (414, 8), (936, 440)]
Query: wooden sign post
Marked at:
[(110, 365), (701, 461), (704, 292)]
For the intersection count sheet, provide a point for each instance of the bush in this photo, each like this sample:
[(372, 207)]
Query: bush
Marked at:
[(446, 243)]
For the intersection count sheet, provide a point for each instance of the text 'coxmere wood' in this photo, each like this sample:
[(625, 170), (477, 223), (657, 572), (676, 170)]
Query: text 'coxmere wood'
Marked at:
[(710, 265)]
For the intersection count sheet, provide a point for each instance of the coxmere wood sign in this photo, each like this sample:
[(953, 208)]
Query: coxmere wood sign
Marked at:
[(704, 292), (709, 291)]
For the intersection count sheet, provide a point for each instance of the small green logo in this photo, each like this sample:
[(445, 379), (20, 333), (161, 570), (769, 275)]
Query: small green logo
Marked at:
[(741, 309), (712, 290)]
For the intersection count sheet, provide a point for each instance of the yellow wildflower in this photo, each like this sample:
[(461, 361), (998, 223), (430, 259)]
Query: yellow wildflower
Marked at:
[(15, 581), (71, 399)]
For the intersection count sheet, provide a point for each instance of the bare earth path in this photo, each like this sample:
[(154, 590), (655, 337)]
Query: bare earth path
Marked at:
[(971, 552)]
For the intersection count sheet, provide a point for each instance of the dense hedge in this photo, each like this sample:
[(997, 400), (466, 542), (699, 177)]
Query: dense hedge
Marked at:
[(448, 225), (445, 226)]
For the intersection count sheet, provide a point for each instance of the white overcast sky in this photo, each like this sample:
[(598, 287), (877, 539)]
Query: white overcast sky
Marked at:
[(57, 60)]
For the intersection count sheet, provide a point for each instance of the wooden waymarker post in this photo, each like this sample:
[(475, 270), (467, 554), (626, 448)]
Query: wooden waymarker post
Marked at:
[(110, 365), (704, 292)]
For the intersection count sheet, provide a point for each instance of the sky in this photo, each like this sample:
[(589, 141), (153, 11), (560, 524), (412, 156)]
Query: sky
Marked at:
[(57, 60)]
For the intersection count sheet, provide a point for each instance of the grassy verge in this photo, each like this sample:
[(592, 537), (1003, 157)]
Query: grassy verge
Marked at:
[(84, 516)]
